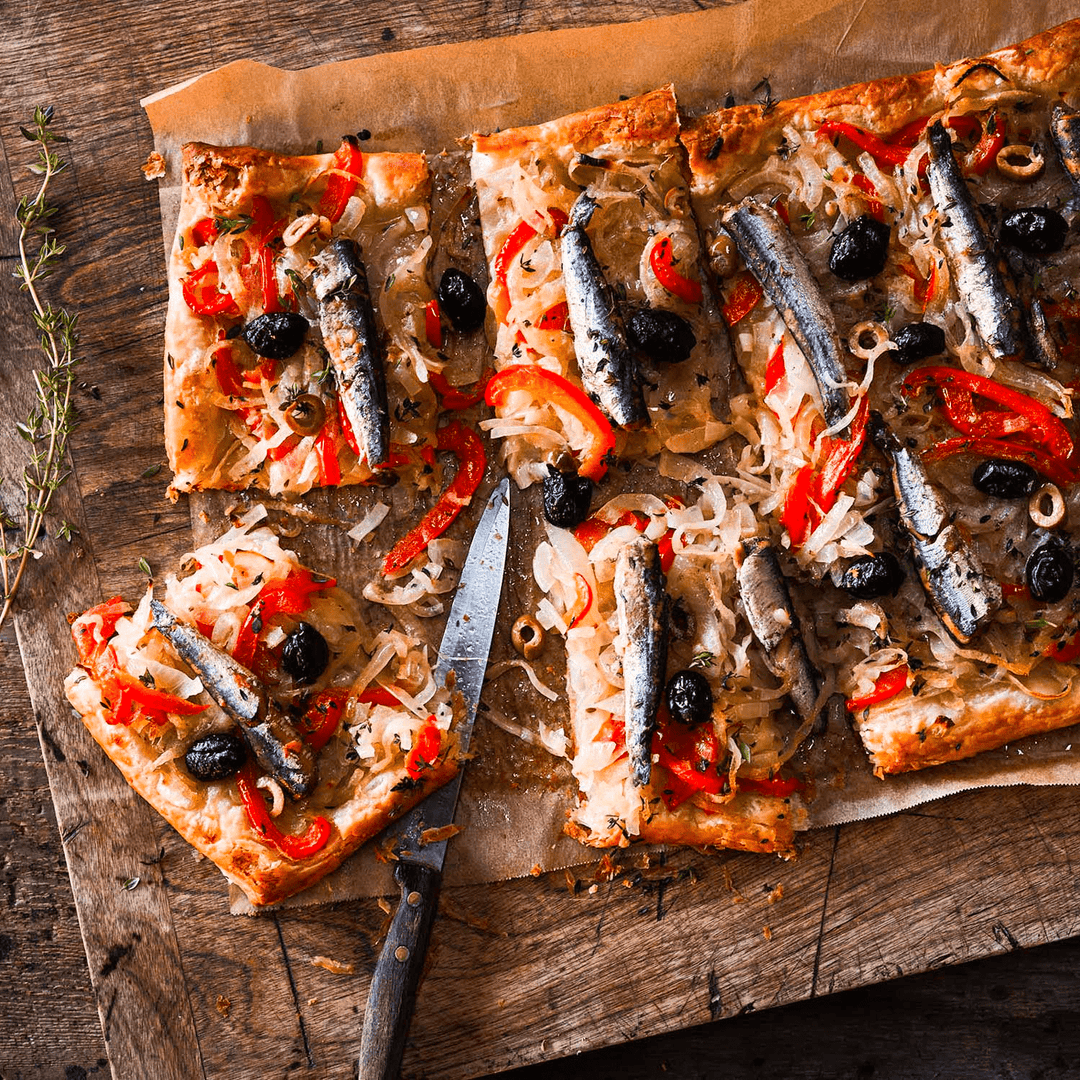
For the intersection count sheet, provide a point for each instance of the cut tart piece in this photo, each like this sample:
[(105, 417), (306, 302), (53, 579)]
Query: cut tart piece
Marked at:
[(683, 718), (606, 332), (896, 263), (255, 678)]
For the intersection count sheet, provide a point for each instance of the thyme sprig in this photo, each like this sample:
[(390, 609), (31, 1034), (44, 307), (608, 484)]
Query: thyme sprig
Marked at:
[(51, 419)]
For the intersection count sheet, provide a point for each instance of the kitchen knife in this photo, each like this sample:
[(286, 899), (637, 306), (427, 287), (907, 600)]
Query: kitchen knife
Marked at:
[(465, 646)]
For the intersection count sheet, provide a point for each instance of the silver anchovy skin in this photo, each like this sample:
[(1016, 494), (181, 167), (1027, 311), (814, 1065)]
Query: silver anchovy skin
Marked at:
[(642, 602), (775, 624), (1044, 349), (609, 371), (964, 596), (273, 740), (351, 337), (982, 278), (1065, 131), (775, 259)]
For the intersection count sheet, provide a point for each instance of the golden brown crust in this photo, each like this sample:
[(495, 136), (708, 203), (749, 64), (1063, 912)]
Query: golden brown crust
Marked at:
[(1048, 63), (638, 121), (220, 829)]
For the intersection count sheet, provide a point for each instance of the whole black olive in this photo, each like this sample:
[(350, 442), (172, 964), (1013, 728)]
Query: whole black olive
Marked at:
[(1050, 573), (216, 757), (461, 300), (277, 335), (305, 654), (860, 251), (566, 498), (1038, 230), (663, 336), (917, 341), (1004, 479), (871, 576), (688, 697)]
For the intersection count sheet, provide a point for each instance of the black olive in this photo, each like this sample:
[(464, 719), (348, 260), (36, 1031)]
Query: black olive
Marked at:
[(871, 576), (216, 757), (917, 341), (1004, 479), (461, 300), (688, 697), (305, 654), (277, 335), (1050, 573), (1038, 230), (566, 498), (860, 251), (663, 336)]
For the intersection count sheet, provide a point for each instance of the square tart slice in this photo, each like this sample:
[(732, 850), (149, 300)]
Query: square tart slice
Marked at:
[(358, 705), (603, 324), (716, 756), (929, 351), (302, 326)]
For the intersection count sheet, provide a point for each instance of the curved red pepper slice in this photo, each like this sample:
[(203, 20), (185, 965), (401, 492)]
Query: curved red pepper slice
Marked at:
[(339, 189), (923, 290), (425, 749), (780, 786), (433, 324), (204, 231), (91, 639), (326, 452), (286, 596), (593, 529), (519, 236), (985, 151), (795, 516), (662, 263), (229, 379), (742, 299), (203, 294), (557, 317), (549, 386), (584, 600), (882, 152), (874, 206), (379, 695), (1064, 652), (154, 699), (322, 716), (1043, 426), (466, 445), (888, 685), (1051, 467), (775, 369), (456, 398), (690, 756), (840, 457), (294, 847)]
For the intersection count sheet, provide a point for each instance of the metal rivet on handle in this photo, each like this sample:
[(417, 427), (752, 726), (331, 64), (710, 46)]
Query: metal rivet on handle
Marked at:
[(401, 953), (413, 899)]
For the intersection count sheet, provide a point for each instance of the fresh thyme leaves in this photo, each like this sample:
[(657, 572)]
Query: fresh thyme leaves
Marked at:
[(51, 418), (239, 224), (702, 660), (144, 566)]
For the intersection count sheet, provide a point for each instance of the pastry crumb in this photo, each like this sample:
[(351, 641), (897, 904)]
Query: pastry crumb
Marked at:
[(444, 832), (384, 905), (335, 967), (594, 889), (777, 894), (223, 1005), (766, 933), (154, 169), (536, 871)]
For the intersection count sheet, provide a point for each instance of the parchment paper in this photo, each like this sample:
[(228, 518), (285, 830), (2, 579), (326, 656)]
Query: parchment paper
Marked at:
[(428, 99)]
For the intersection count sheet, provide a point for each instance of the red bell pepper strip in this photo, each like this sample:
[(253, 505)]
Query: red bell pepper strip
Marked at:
[(346, 428), (557, 317), (425, 749), (154, 699), (203, 294), (519, 236), (888, 685), (1042, 426), (780, 786), (874, 206), (662, 263), (229, 379), (742, 299), (985, 151), (553, 388), (923, 290), (779, 204), (290, 595), (294, 847), (466, 445), (795, 516), (1065, 651), (878, 149), (456, 398), (1053, 468), (584, 600), (91, 636), (379, 695), (204, 231), (326, 452), (840, 456), (690, 755), (322, 716), (1014, 591), (775, 369), (666, 551), (346, 169), (593, 529), (432, 324)]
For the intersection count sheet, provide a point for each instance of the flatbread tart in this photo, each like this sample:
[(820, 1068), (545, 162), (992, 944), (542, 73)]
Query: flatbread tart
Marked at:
[(260, 710), (896, 261)]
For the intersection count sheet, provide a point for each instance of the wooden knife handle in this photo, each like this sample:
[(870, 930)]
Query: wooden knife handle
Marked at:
[(397, 973)]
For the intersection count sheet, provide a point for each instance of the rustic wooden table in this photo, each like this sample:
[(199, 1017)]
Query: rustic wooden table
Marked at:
[(522, 973)]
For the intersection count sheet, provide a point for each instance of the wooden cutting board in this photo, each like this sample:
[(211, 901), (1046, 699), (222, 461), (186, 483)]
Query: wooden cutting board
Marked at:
[(519, 971)]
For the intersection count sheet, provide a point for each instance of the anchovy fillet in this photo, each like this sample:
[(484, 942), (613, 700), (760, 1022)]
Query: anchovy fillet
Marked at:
[(982, 278), (606, 362), (351, 337), (964, 596), (1065, 131), (642, 602), (775, 624), (775, 259), (273, 740)]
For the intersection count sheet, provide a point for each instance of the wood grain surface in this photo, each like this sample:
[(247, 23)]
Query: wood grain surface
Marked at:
[(523, 973)]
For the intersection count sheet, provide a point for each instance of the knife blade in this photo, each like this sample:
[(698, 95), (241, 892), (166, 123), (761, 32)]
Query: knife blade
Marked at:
[(464, 650)]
